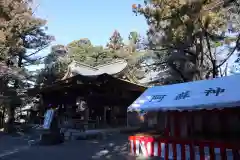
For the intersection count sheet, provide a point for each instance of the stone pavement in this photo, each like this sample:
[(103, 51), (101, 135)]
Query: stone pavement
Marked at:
[(114, 147)]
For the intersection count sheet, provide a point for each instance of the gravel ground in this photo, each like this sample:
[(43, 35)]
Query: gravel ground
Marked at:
[(114, 147)]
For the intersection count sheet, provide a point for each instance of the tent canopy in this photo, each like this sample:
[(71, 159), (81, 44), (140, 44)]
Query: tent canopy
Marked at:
[(205, 94)]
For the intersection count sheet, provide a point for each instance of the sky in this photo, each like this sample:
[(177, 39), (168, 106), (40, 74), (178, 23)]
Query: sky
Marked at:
[(93, 19)]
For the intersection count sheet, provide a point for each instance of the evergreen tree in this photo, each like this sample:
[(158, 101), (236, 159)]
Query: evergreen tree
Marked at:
[(20, 32), (187, 34), (115, 41)]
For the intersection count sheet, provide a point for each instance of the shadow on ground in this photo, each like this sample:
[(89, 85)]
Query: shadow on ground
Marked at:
[(114, 147)]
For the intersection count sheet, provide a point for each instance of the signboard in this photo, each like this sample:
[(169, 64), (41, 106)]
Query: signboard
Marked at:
[(205, 94), (48, 117)]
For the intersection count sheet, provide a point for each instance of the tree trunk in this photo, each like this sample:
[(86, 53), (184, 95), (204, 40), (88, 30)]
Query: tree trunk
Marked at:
[(9, 128), (9, 125), (215, 71), (2, 117)]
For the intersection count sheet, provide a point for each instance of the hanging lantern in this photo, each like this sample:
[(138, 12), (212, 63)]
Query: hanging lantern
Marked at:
[(142, 118), (142, 115), (81, 104)]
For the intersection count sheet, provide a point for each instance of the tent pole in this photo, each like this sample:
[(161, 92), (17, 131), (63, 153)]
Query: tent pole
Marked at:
[(127, 119)]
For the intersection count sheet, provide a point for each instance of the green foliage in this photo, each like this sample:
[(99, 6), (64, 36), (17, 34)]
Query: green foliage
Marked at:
[(134, 37), (56, 63), (79, 50), (60, 57), (187, 33), (83, 51), (115, 41), (20, 32)]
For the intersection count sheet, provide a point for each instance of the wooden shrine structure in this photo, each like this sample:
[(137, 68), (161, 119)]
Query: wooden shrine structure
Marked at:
[(97, 101)]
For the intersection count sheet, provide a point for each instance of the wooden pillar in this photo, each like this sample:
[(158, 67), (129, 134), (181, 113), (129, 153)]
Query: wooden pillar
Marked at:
[(86, 118), (113, 115), (127, 122), (105, 114)]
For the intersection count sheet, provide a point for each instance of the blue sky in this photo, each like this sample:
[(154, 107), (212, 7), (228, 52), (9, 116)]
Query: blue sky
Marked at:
[(94, 19)]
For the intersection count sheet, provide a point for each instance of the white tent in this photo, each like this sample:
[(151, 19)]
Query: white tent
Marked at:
[(205, 94)]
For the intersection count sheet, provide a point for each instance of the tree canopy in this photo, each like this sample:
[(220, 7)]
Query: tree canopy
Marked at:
[(22, 36), (187, 34), (84, 51)]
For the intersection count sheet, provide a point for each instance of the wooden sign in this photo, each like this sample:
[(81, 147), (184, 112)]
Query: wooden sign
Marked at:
[(48, 117)]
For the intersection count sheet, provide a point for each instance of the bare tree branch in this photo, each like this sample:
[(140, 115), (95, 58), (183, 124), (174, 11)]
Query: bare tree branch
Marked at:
[(229, 55), (40, 49)]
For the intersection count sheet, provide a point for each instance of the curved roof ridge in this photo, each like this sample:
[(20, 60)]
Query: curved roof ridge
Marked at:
[(111, 62), (80, 64)]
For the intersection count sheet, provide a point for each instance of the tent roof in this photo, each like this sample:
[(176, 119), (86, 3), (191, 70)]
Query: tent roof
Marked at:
[(205, 94)]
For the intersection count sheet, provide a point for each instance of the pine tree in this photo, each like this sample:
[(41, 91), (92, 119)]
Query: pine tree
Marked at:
[(20, 32), (187, 34)]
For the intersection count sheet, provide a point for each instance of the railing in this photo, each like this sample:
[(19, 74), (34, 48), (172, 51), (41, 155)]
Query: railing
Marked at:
[(172, 148)]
